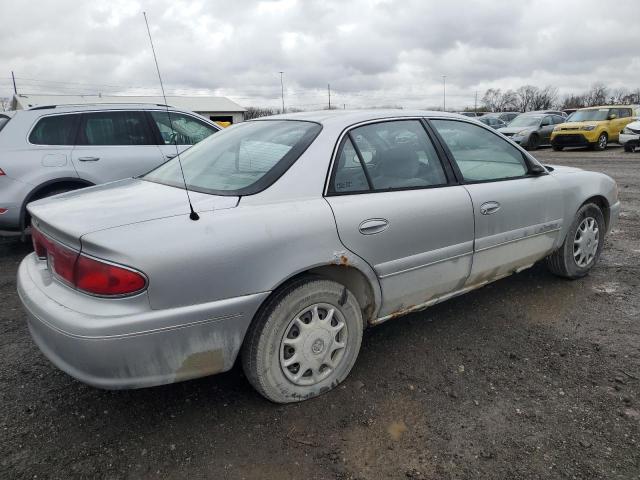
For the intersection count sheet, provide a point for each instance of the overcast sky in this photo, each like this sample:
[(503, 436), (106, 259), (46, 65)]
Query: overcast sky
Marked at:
[(372, 52)]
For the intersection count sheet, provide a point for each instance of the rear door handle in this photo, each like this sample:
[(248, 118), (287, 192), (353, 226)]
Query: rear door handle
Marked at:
[(89, 159), (487, 208), (373, 225), (171, 155)]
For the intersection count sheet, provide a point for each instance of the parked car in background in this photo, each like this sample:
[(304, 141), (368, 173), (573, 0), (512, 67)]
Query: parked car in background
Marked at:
[(532, 130), (47, 150), (549, 112), (472, 114), (506, 117), (311, 227), (592, 127), (630, 136), (493, 122)]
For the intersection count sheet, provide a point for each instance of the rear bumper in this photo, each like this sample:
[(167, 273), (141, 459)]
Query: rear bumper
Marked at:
[(188, 342)]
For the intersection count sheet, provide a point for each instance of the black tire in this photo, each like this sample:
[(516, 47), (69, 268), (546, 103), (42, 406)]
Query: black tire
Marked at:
[(563, 261), (628, 148), (266, 351), (557, 148), (602, 142), (534, 142)]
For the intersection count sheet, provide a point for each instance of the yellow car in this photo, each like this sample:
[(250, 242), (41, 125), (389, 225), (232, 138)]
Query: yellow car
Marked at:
[(592, 127)]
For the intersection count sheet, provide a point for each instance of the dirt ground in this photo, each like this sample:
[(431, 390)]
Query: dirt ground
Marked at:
[(530, 377)]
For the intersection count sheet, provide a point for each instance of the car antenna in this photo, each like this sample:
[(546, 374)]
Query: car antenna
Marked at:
[(193, 215)]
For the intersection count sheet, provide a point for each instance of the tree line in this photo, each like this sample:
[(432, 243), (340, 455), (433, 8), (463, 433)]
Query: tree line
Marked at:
[(530, 97)]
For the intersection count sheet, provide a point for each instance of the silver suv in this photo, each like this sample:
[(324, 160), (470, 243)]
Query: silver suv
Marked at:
[(48, 150)]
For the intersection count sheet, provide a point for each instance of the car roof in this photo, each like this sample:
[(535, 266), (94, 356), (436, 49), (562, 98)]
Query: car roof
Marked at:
[(64, 108), (349, 117)]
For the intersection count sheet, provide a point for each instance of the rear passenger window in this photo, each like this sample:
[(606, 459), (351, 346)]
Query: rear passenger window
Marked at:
[(393, 155), (479, 154), (55, 130), (115, 128), (624, 112)]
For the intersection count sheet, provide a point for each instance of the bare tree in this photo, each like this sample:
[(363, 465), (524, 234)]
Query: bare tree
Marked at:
[(545, 98), (256, 112), (597, 95), (494, 100), (525, 97)]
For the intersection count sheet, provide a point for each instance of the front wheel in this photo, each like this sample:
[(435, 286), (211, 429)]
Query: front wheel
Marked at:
[(582, 245), (534, 142), (304, 341), (628, 148), (601, 144)]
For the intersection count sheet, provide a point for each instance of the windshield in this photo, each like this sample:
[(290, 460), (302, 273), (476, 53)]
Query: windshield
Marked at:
[(593, 114), (525, 121), (241, 160), (3, 121)]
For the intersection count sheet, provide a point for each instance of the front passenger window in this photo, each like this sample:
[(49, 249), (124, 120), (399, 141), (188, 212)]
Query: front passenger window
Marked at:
[(480, 154)]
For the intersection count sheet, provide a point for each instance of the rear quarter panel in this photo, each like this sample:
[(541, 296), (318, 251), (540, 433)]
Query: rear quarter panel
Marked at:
[(227, 253)]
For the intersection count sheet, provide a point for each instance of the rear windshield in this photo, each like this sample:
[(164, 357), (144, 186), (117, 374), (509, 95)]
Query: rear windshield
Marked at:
[(3, 121), (241, 160), (525, 121)]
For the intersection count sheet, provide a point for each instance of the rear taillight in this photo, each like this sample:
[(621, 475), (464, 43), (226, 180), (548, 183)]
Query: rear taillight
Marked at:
[(100, 278), (2, 172), (87, 274)]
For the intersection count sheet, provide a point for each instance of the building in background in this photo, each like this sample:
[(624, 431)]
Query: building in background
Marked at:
[(218, 109)]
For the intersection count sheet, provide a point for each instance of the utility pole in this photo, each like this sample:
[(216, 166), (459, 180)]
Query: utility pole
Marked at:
[(475, 105), (329, 91), (444, 93), (282, 90), (13, 77)]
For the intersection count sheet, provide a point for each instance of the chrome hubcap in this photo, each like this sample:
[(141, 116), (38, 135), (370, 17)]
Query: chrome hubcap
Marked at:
[(603, 141), (313, 344), (585, 243)]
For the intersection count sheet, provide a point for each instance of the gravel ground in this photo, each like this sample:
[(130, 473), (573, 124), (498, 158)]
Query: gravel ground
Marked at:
[(530, 377)]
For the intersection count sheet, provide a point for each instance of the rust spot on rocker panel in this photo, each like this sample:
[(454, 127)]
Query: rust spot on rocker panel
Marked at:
[(201, 364)]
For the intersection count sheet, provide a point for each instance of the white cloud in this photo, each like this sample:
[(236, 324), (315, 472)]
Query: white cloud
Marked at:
[(372, 52)]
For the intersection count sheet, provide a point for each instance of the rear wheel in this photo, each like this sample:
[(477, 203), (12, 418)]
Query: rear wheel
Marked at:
[(628, 148), (582, 245), (304, 341), (557, 148)]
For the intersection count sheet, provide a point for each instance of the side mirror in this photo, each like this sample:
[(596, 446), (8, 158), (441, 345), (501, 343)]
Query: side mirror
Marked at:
[(536, 169)]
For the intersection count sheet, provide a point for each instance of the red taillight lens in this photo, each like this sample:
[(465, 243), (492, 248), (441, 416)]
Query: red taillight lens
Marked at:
[(2, 172), (39, 243), (62, 261), (99, 278), (85, 273)]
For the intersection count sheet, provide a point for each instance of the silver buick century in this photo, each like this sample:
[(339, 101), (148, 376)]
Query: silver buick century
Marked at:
[(307, 228)]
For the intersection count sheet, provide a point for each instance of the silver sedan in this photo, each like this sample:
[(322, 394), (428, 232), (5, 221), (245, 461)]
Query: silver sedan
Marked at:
[(307, 228)]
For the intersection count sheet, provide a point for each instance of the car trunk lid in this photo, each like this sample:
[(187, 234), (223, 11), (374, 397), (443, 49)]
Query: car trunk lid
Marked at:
[(69, 216)]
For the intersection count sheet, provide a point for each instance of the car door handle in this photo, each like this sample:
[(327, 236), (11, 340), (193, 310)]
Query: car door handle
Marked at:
[(171, 155), (487, 208), (373, 225), (89, 159)]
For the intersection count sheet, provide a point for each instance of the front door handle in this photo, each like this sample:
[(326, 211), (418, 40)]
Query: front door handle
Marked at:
[(171, 155), (487, 208), (89, 159), (373, 225)]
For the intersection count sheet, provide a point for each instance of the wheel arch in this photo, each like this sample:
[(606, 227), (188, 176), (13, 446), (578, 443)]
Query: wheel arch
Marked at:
[(601, 202), (41, 190)]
